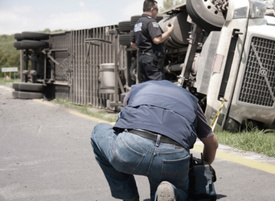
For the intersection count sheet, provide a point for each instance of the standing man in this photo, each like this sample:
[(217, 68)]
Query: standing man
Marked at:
[(152, 137), (148, 39)]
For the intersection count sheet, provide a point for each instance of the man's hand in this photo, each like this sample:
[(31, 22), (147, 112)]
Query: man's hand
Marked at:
[(170, 28), (133, 45), (164, 36), (210, 148)]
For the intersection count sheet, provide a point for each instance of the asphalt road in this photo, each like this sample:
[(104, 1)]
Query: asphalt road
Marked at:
[(45, 155)]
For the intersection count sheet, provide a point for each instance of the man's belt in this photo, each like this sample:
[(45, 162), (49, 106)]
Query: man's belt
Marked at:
[(147, 53), (153, 136)]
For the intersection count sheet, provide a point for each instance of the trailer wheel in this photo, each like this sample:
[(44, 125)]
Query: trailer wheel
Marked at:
[(125, 39), (18, 36), (30, 44), (17, 45), (35, 35), (31, 87), (27, 95), (125, 26), (205, 14), (232, 125), (134, 19)]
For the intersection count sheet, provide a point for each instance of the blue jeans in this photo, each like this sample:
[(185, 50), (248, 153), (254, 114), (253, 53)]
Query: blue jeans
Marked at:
[(122, 155)]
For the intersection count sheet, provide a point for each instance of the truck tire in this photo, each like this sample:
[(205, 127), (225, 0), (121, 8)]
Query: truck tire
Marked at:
[(134, 20), (35, 35), (17, 45), (205, 14), (125, 39), (125, 26), (30, 44), (18, 36), (27, 95), (232, 125), (31, 87)]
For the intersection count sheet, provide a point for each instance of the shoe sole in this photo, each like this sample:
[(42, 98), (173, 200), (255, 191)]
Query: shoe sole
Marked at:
[(165, 192)]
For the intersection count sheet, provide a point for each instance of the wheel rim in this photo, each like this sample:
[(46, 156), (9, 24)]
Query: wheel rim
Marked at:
[(205, 14)]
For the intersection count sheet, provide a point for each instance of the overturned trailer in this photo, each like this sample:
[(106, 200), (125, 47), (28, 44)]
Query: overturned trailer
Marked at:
[(77, 65), (221, 51)]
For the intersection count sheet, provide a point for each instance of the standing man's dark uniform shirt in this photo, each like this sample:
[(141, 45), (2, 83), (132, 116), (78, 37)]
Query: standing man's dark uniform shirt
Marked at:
[(145, 30)]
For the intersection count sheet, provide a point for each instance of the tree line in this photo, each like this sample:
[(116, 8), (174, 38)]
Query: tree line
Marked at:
[(9, 56)]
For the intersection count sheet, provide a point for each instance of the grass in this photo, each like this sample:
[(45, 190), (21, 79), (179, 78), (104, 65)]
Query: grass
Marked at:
[(256, 140), (9, 82), (253, 140)]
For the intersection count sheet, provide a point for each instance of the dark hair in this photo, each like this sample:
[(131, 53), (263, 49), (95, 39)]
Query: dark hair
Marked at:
[(148, 4)]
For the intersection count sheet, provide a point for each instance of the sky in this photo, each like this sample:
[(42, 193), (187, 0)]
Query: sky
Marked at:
[(17, 16)]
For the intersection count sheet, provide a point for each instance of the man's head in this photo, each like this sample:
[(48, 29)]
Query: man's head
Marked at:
[(150, 7)]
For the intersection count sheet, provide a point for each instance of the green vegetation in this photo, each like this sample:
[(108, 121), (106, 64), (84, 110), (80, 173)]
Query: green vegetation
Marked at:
[(9, 56), (9, 82), (256, 140)]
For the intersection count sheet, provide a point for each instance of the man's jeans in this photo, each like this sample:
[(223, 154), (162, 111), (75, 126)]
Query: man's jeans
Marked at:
[(121, 155)]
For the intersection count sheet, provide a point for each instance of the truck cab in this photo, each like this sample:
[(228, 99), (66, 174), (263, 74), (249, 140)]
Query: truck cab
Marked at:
[(229, 63)]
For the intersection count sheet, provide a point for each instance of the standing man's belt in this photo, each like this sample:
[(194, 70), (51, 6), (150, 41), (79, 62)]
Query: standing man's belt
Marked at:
[(147, 53), (153, 136)]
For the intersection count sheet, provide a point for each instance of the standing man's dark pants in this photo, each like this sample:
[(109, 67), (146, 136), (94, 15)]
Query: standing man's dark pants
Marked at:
[(149, 68)]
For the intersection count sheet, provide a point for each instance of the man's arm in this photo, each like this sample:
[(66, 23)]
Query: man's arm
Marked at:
[(206, 135), (210, 148), (133, 45), (126, 98), (160, 39)]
